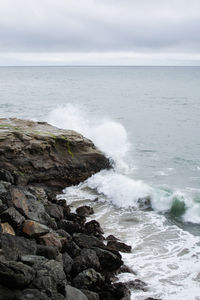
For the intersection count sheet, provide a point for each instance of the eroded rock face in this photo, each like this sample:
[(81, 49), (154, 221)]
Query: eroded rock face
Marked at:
[(37, 153)]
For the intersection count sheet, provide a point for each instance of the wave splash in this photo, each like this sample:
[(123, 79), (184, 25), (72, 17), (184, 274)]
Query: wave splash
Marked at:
[(117, 186)]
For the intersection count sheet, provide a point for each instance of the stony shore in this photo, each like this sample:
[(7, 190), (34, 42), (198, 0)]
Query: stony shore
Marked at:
[(46, 251)]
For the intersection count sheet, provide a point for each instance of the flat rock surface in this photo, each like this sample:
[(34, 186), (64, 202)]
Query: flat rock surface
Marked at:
[(37, 153)]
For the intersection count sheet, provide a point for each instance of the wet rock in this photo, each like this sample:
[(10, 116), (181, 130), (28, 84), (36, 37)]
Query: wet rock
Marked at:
[(85, 211), (6, 228), (54, 211), (76, 218), (31, 294), (70, 226), (14, 247), (119, 246), (93, 228), (136, 285), (90, 295), (108, 260), (150, 298), (15, 274), (86, 241), (49, 252), (41, 154), (125, 269), (88, 279), (111, 238), (74, 294), (12, 216), (5, 175), (87, 259), (144, 203), (67, 263), (34, 229)]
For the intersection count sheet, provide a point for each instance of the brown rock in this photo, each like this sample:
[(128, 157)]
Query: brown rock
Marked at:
[(6, 228), (34, 229), (51, 239), (19, 200), (41, 154), (84, 211)]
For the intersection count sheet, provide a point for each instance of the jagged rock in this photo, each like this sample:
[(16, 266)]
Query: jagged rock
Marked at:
[(6, 228), (93, 228), (15, 274), (39, 154), (70, 226), (14, 247), (86, 241), (49, 252), (90, 295), (87, 259), (67, 263), (5, 175), (54, 211), (3, 206), (34, 229), (108, 260), (136, 284), (74, 294), (111, 238), (125, 269), (88, 279), (33, 259), (119, 246), (12, 216), (84, 211)]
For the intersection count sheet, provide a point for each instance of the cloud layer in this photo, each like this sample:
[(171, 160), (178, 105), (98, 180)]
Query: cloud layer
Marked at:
[(135, 27)]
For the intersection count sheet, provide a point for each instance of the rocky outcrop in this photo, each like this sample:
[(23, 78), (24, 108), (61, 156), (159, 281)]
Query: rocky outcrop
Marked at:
[(39, 154), (46, 251)]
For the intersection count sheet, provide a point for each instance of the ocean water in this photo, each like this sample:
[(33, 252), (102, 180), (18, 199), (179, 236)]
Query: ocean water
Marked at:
[(146, 119)]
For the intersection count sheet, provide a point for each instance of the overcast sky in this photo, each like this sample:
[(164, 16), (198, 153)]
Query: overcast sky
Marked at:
[(100, 32)]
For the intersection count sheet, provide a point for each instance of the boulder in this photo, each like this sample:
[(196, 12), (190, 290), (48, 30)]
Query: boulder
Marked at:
[(87, 259), (90, 295), (67, 262), (6, 228), (87, 241), (93, 228), (119, 246), (40, 154), (34, 229), (15, 274), (12, 216), (51, 239), (14, 247), (74, 294), (88, 279), (31, 294), (49, 252), (108, 260), (85, 211)]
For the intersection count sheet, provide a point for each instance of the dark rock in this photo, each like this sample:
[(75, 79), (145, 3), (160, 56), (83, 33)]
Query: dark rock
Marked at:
[(15, 274), (34, 229), (48, 276), (12, 216), (74, 294), (144, 203), (67, 263), (14, 247), (6, 176), (4, 187), (86, 241), (84, 211), (33, 259), (54, 211), (91, 295), (70, 226), (136, 285), (76, 218), (87, 259), (119, 246), (111, 238), (41, 154), (31, 294), (49, 252), (93, 228), (108, 260), (88, 279), (6, 293), (125, 269), (122, 290), (3, 206), (150, 298)]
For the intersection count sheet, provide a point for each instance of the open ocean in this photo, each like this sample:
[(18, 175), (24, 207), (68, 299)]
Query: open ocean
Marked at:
[(147, 120)]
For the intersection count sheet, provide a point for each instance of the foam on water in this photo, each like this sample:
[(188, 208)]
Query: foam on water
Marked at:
[(118, 185)]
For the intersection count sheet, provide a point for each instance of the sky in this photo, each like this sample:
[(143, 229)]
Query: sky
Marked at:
[(100, 32)]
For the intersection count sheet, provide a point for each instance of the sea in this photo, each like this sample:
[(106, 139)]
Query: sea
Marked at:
[(147, 121)]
